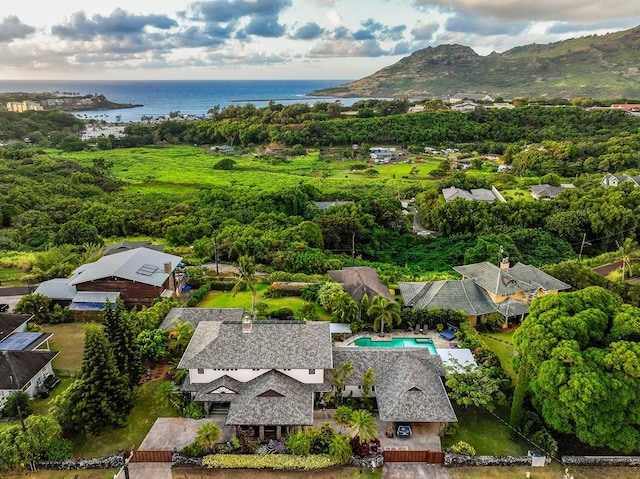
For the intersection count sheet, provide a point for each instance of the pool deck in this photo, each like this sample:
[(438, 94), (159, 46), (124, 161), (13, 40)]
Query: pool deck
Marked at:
[(438, 342)]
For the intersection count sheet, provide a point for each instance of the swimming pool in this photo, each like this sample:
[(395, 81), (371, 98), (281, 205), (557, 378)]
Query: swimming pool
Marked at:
[(397, 343)]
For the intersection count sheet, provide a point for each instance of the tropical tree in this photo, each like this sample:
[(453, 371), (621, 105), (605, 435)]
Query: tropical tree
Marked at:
[(340, 449), (384, 312), (368, 378), (36, 304), (19, 405), (340, 376), (180, 335), (342, 415), (246, 278), (626, 252), (100, 397), (207, 436), (118, 328), (363, 426)]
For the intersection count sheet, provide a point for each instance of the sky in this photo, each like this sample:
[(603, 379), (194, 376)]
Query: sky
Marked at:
[(274, 39)]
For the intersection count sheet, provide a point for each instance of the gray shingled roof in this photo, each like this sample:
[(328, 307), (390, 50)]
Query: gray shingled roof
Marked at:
[(476, 194), (10, 322), (546, 191), (408, 382), (127, 245), (533, 275), (491, 278), (196, 315), (448, 294), (17, 368), (269, 345), (57, 288), (141, 265), (512, 307), (205, 392), (359, 281), (273, 399)]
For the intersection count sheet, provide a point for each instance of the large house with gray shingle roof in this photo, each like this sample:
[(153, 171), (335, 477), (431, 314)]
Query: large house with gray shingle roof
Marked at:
[(484, 289), (267, 375), (360, 281)]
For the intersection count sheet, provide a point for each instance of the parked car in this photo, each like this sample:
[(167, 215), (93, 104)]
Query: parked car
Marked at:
[(403, 430)]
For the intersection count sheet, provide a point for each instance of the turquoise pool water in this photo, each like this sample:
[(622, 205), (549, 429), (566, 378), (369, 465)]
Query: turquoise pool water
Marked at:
[(398, 343)]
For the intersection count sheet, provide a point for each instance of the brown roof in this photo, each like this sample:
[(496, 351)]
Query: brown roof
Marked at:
[(361, 280), (609, 268)]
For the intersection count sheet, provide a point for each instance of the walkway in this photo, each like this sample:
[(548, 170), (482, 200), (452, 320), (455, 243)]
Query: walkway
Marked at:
[(148, 470)]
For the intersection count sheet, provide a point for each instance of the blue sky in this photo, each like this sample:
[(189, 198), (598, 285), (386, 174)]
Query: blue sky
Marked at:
[(274, 39)]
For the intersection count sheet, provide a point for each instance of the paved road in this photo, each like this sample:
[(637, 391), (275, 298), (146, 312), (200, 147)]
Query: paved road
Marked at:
[(413, 470), (148, 470)]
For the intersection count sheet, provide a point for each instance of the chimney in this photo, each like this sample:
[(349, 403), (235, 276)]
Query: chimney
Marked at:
[(247, 324), (504, 264), (167, 267)]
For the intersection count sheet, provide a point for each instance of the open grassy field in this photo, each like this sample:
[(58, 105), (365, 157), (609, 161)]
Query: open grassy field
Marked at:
[(221, 299), (67, 338), (553, 471), (486, 433)]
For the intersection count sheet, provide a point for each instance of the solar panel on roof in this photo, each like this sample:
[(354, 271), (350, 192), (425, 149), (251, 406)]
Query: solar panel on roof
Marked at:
[(147, 269), (19, 341)]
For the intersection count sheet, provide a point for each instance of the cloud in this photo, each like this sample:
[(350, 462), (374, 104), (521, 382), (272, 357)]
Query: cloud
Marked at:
[(383, 32), (309, 31), (263, 26), (118, 25), (195, 36), (11, 28), (586, 11), (347, 48), (470, 23), (559, 28), (424, 31), (224, 11)]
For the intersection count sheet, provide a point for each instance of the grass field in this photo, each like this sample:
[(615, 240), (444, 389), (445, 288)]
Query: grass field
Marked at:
[(221, 299), (67, 338), (553, 471), (487, 434), (500, 343), (77, 474)]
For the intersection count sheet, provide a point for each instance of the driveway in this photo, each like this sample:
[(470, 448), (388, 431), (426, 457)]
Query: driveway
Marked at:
[(147, 470), (413, 470), (175, 433), (424, 437)]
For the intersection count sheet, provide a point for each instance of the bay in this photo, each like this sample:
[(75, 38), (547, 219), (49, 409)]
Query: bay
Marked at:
[(189, 97)]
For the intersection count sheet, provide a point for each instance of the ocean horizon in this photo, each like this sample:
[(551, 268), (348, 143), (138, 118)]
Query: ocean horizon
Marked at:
[(189, 97)]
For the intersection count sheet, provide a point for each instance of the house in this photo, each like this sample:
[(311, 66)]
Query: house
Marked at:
[(630, 107), (615, 180), (460, 97), (137, 276), (360, 281), (323, 205), (268, 375), (129, 245), (475, 194), (465, 106), (25, 359), (484, 288), (262, 375), (547, 192), (223, 149)]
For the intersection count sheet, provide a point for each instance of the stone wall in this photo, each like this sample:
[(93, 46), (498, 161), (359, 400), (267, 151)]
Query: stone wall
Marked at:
[(453, 460), (110, 462), (601, 460), (181, 460), (374, 461)]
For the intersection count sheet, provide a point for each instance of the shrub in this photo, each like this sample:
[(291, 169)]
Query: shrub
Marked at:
[(298, 444), (343, 415), (451, 429), (21, 401), (269, 461), (194, 410), (282, 313), (194, 450), (59, 450), (545, 442), (208, 435), (462, 447), (340, 449)]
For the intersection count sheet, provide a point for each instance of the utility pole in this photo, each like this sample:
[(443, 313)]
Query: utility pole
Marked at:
[(215, 251), (584, 238), (353, 249)]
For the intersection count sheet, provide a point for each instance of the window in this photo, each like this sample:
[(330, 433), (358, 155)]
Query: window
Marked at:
[(312, 371), (200, 370)]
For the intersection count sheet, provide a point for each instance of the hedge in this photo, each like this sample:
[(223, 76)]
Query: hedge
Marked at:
[(269, 461)]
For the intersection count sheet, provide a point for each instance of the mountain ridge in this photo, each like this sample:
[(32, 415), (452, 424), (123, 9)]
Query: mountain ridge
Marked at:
[(596, 66)]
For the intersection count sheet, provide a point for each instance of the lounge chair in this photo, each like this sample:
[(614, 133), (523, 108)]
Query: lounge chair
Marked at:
[(448, 335), (424, 329), (417, 330)]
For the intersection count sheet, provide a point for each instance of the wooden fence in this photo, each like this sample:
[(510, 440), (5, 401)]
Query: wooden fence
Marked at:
[(151, 456), (430, 457)]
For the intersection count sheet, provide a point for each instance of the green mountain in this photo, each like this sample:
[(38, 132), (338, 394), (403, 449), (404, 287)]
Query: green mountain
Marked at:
[(597, 66)]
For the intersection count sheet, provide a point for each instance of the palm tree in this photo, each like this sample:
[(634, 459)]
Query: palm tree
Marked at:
[(363, 426), (246, 271), (208, 435), (626, 251), (384, 311), (181, 334)]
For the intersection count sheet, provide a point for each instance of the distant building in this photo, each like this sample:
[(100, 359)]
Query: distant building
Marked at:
[(475, 194), (547, 192), (22, 106), (223, 149), (460, 97)]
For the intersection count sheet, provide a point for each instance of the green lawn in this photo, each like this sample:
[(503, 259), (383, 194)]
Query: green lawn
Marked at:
[(76, 474), (222, 299), (500, 343), (67, 338), (553, 471), (42, 406), (149, 406), (486, 433)]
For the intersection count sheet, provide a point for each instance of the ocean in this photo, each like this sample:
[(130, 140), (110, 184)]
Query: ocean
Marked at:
[(189, 97)]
